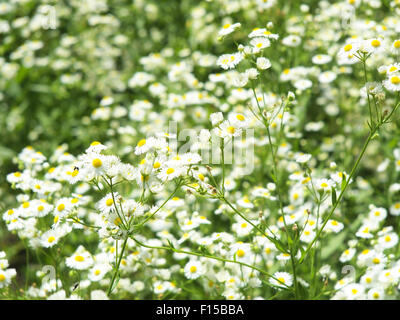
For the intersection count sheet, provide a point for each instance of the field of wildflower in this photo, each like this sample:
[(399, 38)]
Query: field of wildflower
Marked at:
[(216, 149)]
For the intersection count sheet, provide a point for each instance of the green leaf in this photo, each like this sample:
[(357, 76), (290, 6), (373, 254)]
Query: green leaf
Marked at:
[(116, 282), (334, 198), (344, 179)]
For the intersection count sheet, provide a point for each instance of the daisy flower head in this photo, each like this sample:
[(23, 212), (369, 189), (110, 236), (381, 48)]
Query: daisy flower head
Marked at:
[(291, 40), (307, 235), (395, 209), (106, 204), (324, 184), (265, 4), (392, 83), (282, 279), (302, 84), (263, 32), (377, 214), (334, 226), (373, 45), (227, 29), (74, 174), (15, 177), (388, 240), (10, 215), (96, 147), (320, 59), (63, 207), (229, 61), (395, 46), (106, 101), (98, 271), (170, 171), (193, 269), (242, 228), (6, 277), (144, 145), (392, 68), (327, 77), (80, 260), (93, 164), (347, 255), (354, 291), (259, 43), (376, 294), (228, 130), (263, 63), (347, 54), (50, 238)]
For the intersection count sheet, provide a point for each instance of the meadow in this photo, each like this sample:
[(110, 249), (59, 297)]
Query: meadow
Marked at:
[(216, 149)]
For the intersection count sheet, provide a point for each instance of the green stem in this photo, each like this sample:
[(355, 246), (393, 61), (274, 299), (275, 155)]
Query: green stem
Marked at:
[(353, 170), (211, 257), (117, 266)]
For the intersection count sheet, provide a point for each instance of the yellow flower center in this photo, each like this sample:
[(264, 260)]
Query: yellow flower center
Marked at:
[(141, 143), (240, 253), (2, 277), (51, 239), (396, 44), (97, 272), (193, 269), (79, 258), (375, 43), (170, 170), (109, 202), (40, 208), (395, 80), (97, 163), (61, 207), (231, 130), (156, 165), (240, 117), (348, 47)]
